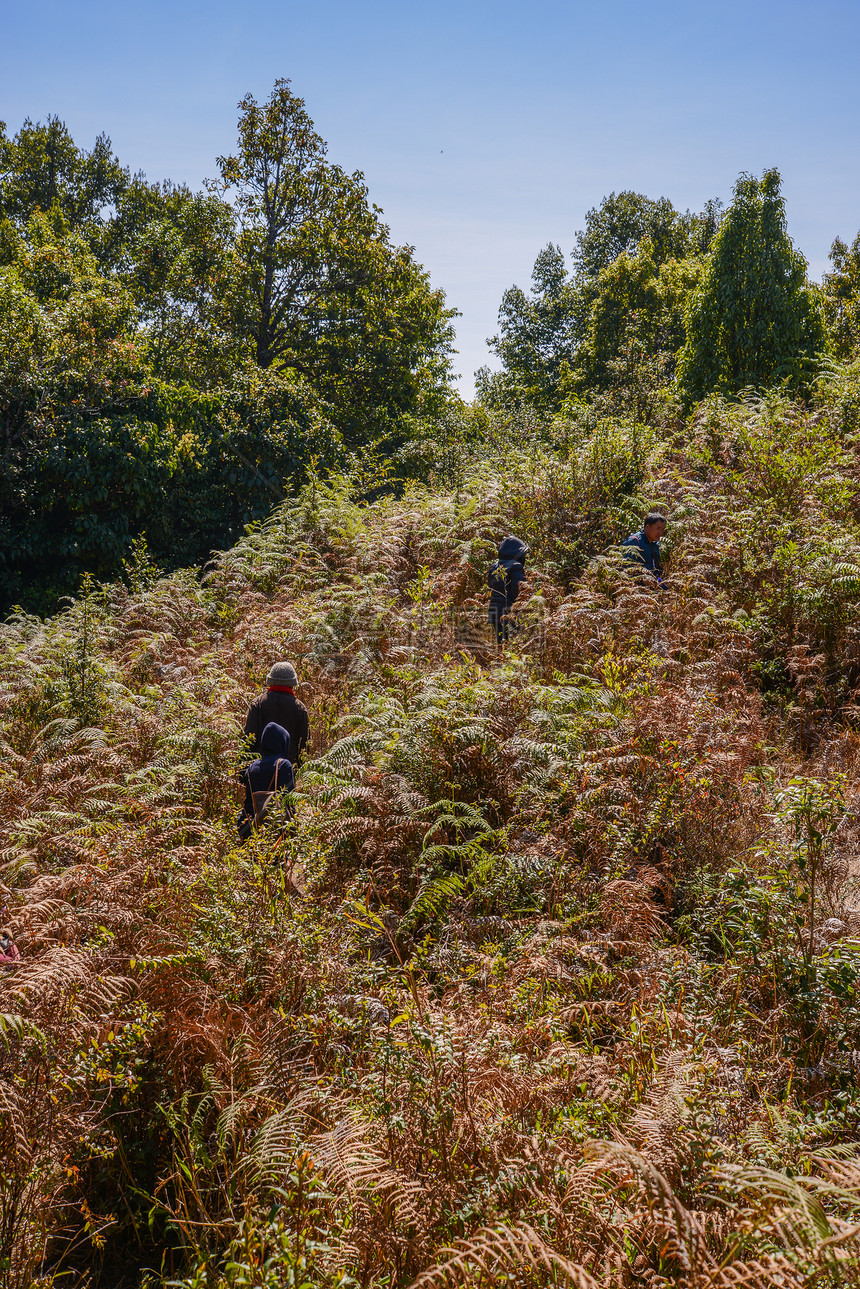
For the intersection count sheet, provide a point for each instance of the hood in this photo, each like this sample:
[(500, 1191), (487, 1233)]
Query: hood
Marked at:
[(275, 741), (513, 548)]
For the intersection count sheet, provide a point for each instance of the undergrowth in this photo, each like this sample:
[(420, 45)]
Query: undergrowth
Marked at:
[(553, 976)]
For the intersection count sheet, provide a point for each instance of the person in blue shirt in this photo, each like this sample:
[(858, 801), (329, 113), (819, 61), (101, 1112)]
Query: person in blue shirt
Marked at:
[(644, 547)]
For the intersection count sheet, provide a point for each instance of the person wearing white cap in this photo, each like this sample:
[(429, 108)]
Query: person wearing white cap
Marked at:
[(279, 704)]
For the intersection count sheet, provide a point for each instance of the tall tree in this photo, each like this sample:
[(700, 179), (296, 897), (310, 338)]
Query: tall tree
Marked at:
[(576, 331), (537, 332), (635, 328), (320, 288), (753, 320), (95, 449), (174, 250)]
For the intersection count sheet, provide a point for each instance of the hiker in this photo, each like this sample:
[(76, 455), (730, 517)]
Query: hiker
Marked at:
[(272, 773), (9, 952), (504, 578), (643, 548), (279, 704)]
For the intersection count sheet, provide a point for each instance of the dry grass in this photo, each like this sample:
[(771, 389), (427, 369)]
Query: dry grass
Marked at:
[(522, 996)]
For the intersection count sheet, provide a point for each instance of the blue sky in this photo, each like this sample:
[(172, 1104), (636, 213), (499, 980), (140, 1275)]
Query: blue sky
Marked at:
[(485, 130)]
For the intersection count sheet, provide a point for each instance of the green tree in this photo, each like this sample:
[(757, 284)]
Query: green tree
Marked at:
[(842, 298), (42, 167), (170, 361), (173, 249), (537, 334), (635, 328), (812, 809), (95, 450), (582, 330), (320, 289), (753, 321)]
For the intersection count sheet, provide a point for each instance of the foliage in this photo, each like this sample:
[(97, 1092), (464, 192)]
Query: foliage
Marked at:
[(615, 323), (97, 451), (842, 298), (43, 170), (171, 362), (319, 288), (813, 810), (636, 326), (753, 321), (786, 550), (553, 974), (537, 336), (624, 220), (173, 251)]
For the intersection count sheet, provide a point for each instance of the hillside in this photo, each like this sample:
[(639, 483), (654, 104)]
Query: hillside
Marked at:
[(553, 977)]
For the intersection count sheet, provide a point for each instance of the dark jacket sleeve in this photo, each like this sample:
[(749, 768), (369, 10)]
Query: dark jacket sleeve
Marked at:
[(631, 548)]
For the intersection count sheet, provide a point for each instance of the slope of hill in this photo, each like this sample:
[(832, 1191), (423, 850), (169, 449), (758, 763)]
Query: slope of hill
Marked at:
[(553, 977)]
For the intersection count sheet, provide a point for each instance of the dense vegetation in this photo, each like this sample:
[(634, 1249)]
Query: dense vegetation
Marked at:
[(554, 967), (662, 309), (554, 975), (171, 362)]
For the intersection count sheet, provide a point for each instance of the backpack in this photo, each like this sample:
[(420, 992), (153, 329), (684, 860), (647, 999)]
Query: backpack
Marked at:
[(263, 800)]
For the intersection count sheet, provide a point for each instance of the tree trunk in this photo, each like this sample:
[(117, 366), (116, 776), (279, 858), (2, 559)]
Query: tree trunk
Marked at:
[(264, 326)]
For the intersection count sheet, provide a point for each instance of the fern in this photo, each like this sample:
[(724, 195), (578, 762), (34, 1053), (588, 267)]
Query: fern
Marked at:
[(434, 896)]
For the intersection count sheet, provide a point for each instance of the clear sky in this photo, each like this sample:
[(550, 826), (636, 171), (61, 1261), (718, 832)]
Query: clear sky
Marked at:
[(485, 130)]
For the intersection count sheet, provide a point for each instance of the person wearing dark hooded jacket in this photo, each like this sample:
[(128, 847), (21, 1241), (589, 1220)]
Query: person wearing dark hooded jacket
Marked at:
[(273, 772), (503, 579)]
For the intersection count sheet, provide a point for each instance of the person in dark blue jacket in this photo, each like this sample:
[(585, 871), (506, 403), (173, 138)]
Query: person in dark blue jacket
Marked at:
[(504, 578), (644, 547), (273, 772)]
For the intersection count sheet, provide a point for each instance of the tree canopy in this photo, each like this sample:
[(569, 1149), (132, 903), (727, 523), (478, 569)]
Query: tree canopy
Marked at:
[(42, 168), (660, 308), (536, 333), (842, 297), (578, 329), (97, 450), (172, 362), (635, 327), (623, 220)]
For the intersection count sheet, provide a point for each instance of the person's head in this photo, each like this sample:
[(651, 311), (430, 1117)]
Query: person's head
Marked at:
[(654, 525), (5, 935), (284, 674), (513, 548), (275, 740)]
